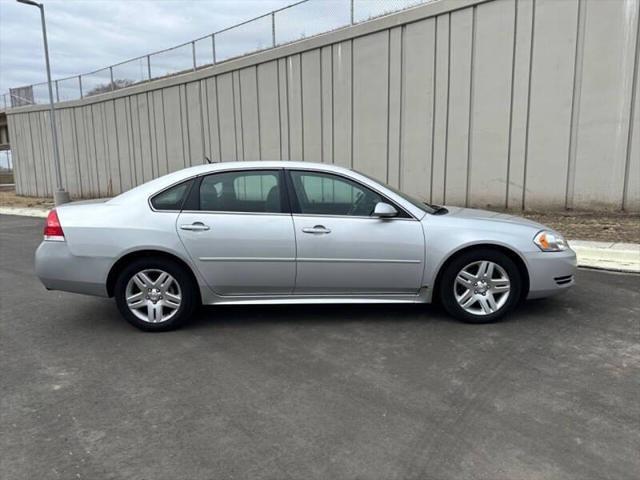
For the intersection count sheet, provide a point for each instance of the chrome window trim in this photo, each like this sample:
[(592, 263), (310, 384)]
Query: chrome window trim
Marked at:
[(215, 212), (358, 217)]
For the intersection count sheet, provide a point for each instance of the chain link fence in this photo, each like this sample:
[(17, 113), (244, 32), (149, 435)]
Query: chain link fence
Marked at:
[(294, 22)]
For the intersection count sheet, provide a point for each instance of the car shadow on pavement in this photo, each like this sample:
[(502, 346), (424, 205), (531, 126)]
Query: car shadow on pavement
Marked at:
[(242, 316)]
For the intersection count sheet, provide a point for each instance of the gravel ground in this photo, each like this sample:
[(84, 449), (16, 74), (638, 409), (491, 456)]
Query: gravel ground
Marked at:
[(10, 199), (598, 226)]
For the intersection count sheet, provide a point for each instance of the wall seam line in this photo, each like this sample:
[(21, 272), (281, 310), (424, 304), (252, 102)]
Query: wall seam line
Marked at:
[(634, 87), (471, 102), (513, 75), (446, 123), (277, 63), (388, 101), (258, 112), (218, 119), (433, 105), (402, 101), (575, 105), (528, 118)]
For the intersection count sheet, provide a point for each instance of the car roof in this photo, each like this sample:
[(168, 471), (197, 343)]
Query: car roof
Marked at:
[(213, 167)]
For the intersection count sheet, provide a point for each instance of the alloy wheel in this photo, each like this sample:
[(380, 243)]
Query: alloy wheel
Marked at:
[(482, 288), (153, 295)]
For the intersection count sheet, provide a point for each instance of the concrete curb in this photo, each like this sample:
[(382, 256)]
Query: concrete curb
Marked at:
[(25, 211), (621, 257)]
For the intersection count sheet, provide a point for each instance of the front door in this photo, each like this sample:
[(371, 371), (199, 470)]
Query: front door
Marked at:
[(342, 249), (239, 233)]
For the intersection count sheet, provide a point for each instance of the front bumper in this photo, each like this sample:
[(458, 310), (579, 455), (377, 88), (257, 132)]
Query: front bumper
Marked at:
[(58, 269), (550, 272)]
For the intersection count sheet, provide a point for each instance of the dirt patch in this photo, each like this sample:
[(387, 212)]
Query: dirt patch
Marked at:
[(10, 199), (598, 226)]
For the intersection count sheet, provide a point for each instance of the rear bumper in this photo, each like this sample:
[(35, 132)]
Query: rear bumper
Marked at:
[(550, 273), (58, 269)]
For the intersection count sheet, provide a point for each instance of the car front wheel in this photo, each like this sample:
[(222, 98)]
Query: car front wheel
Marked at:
[(155, 294), (480, 286)]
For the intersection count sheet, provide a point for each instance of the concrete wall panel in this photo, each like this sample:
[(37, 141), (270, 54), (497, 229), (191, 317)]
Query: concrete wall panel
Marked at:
[(490, 104), (604, 103), (441, 110), (519, 104), (250, 120), (370, 101), (294, 99), (550, 103), (459, 107), (283, 102), (311, 106), (418, 50), (342, 104), (326, 82), (195, 126), (227, 118), (269, 111), (395, 106)]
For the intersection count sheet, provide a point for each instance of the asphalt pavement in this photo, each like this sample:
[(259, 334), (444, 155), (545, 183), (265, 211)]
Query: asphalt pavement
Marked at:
[(316, 392)]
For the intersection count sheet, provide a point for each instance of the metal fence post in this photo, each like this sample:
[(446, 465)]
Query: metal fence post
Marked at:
[(80, 85), (352, 15), (57, 92), (149, 66), (273, 28), (113, 85), (213, 46), (193, 51)]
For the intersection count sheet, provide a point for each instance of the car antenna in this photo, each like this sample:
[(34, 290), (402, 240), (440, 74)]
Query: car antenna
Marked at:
[(207, 159)]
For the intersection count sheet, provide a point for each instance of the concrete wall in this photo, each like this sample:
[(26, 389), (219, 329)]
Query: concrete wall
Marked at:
[(501, 103)]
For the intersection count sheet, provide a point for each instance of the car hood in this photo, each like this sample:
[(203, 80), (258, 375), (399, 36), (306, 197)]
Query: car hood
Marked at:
[(486, 215)]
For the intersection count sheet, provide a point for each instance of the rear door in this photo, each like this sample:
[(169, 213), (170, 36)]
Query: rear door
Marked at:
[(237, 229), (342, 249)]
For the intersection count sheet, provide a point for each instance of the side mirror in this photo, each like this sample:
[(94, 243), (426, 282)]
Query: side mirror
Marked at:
[(384, 210)]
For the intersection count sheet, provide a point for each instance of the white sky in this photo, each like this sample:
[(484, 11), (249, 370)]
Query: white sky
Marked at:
[(85, 35)]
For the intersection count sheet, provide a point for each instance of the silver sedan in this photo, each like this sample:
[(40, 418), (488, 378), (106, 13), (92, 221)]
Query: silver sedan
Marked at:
[(293, 232)]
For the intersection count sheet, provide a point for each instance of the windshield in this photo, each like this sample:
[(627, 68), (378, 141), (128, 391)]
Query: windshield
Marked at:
[(425, 207)]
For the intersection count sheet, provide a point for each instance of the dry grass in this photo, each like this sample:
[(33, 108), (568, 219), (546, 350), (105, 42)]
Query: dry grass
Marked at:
[(10, 199), (598, 226)]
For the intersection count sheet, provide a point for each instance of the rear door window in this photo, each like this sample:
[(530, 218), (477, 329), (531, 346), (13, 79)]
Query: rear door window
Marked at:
[(255, 191)]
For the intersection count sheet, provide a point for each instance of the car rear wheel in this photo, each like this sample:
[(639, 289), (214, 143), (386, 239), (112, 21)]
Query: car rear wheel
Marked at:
[(155, 294), (480, 286)]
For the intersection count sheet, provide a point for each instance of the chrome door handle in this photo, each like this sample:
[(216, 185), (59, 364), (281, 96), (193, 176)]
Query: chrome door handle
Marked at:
[(316, 229), (195, 227)]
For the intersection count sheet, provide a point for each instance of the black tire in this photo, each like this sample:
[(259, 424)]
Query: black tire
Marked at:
[(188, 290), (447, 284)]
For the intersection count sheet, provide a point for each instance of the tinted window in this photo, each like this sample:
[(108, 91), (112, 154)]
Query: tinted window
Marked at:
[(172, 198), (242, 191), (326, 194), (425, 207)]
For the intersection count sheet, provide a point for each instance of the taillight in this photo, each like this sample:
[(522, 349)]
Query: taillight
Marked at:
[(53, 229)]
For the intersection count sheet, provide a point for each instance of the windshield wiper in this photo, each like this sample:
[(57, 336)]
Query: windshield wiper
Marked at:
[(438, 210)]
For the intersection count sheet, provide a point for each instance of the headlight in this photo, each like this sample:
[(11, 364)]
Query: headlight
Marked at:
[(550, 242)]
